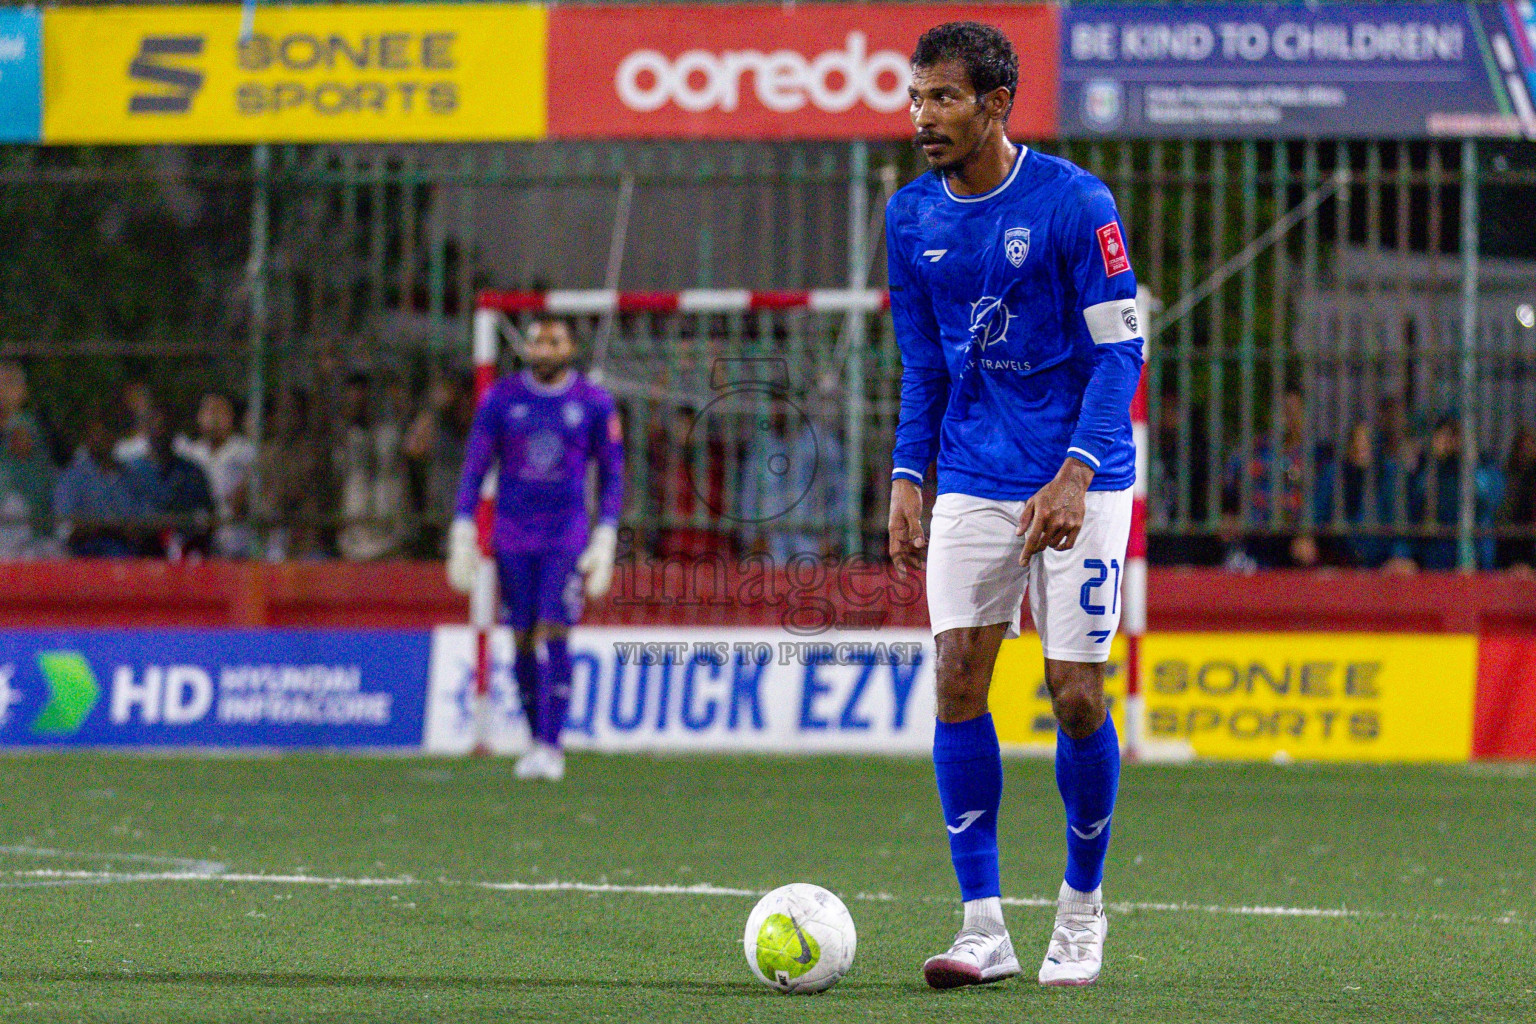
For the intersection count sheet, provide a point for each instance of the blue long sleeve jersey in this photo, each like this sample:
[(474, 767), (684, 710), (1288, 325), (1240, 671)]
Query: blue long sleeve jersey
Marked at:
[(1020, 345)]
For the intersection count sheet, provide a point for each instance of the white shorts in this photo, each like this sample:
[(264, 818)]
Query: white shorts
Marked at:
[(974, 576)]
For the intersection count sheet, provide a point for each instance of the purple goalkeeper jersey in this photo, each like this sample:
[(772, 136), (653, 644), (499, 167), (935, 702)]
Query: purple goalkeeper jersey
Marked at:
[(541, 439)]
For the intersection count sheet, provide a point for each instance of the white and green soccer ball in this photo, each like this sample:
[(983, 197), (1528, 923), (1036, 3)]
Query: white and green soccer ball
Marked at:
[(800, 939)]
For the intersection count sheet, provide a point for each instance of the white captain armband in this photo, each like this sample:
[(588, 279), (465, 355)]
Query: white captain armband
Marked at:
[(1113, 321)]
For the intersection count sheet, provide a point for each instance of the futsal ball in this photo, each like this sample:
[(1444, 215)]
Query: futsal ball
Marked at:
[(800, 939)]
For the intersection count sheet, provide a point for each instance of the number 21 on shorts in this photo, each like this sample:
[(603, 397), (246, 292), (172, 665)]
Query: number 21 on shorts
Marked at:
[(1086, 596)]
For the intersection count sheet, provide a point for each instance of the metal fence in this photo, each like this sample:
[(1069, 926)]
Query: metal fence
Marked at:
[(1340, 317)]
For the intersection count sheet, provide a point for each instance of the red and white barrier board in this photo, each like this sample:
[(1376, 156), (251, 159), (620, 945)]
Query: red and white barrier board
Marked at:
[(734, 71)]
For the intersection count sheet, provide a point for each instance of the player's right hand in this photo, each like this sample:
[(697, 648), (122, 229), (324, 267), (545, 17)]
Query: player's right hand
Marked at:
[(907, 544), (463, 554)]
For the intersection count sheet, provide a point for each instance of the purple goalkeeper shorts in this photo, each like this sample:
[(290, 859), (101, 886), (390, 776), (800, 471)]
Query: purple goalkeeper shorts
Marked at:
[(541, 587)]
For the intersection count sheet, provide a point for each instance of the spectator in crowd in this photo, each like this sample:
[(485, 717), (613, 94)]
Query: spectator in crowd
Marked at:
[(93, 499), (370, 469), (171, 491), (434, 452), (295, 481), (793, 492), (1177, 548), (688, 486), (1367, 483), (27, 475), (1518, 512), (139, 403), (1277, 491), (227, 458), (1435, 499), (13, 396)]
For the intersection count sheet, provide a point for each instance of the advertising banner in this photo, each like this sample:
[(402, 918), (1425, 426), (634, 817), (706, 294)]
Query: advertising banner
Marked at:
[(807, 71), (21, 60), (705, 689), (1505, 727), (212, 688), (332, 73), (1249, 70), (1021, 703), (1312, 696)]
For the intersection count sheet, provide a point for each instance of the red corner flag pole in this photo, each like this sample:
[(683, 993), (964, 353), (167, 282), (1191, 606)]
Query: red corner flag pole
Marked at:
[(1134, 621), (482, 600)]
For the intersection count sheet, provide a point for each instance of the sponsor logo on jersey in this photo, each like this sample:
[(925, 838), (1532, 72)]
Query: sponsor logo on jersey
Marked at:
[(1016, 245), (519, 411), (934, 255), (545, 450), (1112, 248), (571, 413), (989, 321)]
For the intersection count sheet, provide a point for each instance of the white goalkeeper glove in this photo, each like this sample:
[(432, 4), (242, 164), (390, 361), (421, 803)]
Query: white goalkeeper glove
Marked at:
[(596, 561), (463, 554)]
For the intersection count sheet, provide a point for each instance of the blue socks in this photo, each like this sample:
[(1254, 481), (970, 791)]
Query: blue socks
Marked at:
[(1088, 775), (525, 666), (969, 769), (555, 691)]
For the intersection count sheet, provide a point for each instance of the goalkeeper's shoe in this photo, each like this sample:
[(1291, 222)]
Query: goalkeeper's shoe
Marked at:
[(974, 958), (1076, 951), (542, 761)]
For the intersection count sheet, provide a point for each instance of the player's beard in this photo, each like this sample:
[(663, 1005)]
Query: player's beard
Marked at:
[(548, 371), (949, 165)]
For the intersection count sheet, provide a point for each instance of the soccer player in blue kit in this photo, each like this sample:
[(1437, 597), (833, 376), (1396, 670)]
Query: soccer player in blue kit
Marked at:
[(1014, 307), (541, 428)]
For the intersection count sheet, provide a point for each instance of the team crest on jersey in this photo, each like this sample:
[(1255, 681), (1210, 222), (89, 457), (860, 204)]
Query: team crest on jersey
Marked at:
[(519, 411), (989, 321), (571, 413), (1016, 245)]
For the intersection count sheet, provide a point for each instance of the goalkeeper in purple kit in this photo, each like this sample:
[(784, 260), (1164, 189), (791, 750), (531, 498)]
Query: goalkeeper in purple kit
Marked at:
[(541, 428)]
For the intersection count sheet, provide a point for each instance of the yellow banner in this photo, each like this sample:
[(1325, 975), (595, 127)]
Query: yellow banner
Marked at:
[(1021, 704), (1312, 696), (354, 73)]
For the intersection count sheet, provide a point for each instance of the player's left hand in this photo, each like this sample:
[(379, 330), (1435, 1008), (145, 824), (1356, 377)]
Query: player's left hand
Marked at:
[(1054, 516), (596, 561)]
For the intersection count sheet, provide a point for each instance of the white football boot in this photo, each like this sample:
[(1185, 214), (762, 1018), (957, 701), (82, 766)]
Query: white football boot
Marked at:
[(1076, 951), (974, 958), (527, 766), (552, 768), (541, 761)]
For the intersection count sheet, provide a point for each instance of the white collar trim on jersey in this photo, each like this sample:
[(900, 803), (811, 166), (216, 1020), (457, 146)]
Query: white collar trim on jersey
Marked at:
[(1018, 162), (532, 384)]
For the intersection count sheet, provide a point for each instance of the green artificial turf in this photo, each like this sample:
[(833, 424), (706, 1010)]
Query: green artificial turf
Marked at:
[(1435, 868)]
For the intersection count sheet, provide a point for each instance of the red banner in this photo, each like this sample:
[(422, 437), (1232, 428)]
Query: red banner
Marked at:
[(813, 71), (1504, 725)]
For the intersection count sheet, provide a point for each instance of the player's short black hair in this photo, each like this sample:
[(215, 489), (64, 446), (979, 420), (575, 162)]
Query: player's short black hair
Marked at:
[(551, 320), (989, 58)]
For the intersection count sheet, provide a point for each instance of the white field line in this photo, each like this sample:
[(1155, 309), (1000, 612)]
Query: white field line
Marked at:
[(55, 877), (207, 867)]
